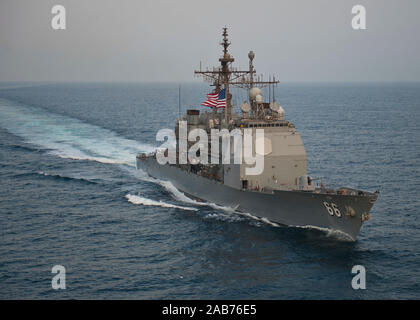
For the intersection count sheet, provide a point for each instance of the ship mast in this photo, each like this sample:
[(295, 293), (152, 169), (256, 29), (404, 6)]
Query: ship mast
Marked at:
[(229, 76), (226, 73)]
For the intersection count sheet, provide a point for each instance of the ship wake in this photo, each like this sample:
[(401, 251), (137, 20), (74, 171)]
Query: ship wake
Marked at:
[(68, 137)]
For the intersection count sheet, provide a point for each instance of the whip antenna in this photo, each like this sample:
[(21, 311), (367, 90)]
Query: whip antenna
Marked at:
[(179, 102)]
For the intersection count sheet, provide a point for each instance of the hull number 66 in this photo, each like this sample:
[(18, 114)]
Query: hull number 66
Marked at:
[(332, 209)]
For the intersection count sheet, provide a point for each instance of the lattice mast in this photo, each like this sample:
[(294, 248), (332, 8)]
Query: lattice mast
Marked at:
[(227, 76)]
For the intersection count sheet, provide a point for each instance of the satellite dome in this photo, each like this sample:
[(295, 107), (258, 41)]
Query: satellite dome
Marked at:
[(274, 106), (281, 113), (245, 107), (281, 110), (258, 98), (253, 92)]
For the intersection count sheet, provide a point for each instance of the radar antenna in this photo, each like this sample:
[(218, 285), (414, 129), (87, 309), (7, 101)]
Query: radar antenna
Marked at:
[(226, 76)]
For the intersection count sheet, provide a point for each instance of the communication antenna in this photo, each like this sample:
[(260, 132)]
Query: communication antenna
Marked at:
[(274, 97), (179, 102)]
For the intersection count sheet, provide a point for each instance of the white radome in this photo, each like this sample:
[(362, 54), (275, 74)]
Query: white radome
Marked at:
[(245, 107), (274, 106), (281, 111), (253, 92)]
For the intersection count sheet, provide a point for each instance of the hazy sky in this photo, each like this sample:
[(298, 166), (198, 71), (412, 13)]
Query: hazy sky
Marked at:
[(165, 40)]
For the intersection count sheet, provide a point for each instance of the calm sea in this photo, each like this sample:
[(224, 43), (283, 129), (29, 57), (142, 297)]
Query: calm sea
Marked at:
[(70, 195)]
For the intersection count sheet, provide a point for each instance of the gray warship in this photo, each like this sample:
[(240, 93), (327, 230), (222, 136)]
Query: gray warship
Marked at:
[(283, 193)]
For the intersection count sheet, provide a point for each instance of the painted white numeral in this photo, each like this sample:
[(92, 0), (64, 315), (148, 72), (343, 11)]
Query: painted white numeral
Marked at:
[(336, 210), (332, 208)]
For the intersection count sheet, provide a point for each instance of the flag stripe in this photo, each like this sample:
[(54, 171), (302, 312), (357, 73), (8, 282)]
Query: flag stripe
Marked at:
[(209, 104), (221, 103)]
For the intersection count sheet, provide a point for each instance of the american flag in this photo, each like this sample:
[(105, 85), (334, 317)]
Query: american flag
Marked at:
[(216, 100)]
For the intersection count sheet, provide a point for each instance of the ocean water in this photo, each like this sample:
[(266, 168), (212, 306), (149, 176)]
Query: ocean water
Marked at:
[(70, 195)]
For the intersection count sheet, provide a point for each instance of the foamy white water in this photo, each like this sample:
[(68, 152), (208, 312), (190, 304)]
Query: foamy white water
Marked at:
[(134, 199), (67, 137), (337, 234)]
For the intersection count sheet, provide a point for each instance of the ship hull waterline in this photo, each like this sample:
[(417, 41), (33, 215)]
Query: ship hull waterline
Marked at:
[(289, 208)]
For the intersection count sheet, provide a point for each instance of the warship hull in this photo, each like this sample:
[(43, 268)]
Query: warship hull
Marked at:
[(290, 208)]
